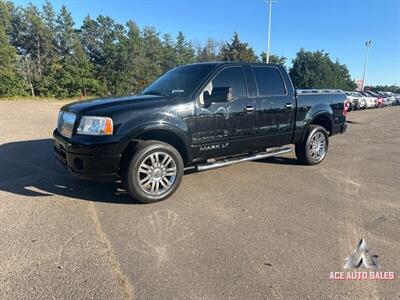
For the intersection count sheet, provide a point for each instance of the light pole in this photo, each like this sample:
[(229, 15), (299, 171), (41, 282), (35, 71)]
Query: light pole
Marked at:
[(367, 44), (269, 28)]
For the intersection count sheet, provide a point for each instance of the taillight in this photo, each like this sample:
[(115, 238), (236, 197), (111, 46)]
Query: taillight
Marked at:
[(346, 106)]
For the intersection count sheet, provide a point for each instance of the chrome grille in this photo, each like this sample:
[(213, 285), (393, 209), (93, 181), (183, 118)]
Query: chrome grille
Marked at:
[(65, 124)]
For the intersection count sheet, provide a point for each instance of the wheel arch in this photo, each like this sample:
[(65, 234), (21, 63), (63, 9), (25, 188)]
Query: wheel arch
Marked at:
[(323, 119), (167, 134)]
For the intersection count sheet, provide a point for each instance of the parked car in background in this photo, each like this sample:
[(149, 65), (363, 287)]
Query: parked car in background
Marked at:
[(390, 96), (384, 98), (352, 100), (370, 101), (386, 101), (380, 102), (396, 99), (362, 101)]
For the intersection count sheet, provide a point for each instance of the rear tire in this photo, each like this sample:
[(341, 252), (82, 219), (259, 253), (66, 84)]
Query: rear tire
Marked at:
[(154, 172), (313, 149)]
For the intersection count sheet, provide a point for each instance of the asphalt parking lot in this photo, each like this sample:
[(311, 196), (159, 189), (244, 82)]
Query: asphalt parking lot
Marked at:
[(266, 229)]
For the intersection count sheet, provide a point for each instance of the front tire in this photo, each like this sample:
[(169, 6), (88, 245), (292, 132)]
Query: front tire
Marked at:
[(313, 149), (154, 172)]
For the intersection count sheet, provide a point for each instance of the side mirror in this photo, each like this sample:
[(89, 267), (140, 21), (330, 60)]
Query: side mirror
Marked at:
[(218, 94)]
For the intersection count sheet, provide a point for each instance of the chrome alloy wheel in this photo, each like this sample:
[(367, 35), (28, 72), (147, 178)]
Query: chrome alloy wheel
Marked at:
[(318, 146), (157, 173)]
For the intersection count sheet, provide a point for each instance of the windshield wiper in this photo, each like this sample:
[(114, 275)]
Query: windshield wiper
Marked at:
[(157, 92)]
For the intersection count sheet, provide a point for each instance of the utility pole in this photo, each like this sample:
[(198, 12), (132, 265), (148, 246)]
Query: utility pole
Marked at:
[(367, 44), (269, 28)]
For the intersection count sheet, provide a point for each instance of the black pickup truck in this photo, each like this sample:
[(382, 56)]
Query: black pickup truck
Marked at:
[(199, 116)]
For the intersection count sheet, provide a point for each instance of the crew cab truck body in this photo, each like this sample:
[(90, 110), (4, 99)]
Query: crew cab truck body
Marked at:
[(196, 116)]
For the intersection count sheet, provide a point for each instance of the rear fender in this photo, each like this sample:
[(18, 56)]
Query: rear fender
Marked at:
[(317, 117)]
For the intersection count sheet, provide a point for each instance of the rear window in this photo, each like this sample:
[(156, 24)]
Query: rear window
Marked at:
[(269, 81)]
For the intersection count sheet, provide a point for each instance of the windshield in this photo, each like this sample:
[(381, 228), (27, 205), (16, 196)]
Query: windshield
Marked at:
[(180, 81)]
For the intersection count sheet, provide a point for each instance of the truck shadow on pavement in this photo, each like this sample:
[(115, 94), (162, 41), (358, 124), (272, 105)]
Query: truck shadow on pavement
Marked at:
[(279, 160), (29, 168)]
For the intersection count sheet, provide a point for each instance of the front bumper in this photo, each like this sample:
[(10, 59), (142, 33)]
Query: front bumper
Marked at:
[(87, 160)]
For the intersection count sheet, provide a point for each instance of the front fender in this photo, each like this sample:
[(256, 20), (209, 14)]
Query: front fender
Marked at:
[(157, 126), (170, 133)]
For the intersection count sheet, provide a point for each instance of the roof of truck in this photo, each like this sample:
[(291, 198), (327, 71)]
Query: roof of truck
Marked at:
[(219, 63)]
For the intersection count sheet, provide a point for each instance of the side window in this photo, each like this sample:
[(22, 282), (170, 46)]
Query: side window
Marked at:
[(231, 77), (269, 81)]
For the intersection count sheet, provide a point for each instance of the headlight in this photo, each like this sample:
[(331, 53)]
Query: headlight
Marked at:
[(65, 123), (95, 126)]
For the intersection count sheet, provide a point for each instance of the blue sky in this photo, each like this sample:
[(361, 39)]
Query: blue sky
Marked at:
[(340, 27)]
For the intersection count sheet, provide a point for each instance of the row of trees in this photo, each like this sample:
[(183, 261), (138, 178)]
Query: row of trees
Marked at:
[(43, 54), (384, 88)]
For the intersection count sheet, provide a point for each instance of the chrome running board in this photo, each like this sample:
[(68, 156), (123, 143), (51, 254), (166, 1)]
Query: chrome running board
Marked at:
[(242, 158)]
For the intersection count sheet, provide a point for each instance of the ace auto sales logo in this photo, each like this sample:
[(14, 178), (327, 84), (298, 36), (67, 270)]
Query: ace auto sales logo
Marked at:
[(367, 263)]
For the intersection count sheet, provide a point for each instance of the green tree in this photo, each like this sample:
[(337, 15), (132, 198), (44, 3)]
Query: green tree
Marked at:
[(43, 53), (384, 88), (169, 55), (273, 59), (10, 81), (341, 77), (103, 40), (35, 45), (184, 50), (209, 52), (152, 55), (176, 53), (132, 60), (237, 51), (65, 33), (317, 70), (72, 72), (6, 14), (49, 17)]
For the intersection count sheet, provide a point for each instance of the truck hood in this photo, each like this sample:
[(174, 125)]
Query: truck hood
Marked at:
[(116, 103)]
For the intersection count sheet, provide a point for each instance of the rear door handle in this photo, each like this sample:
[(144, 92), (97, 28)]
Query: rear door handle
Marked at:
[(248, 109), (288, 106)]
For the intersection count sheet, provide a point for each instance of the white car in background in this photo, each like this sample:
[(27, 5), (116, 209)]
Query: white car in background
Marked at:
[(370, 101), (362, 101), (390, 97), (379, 97)]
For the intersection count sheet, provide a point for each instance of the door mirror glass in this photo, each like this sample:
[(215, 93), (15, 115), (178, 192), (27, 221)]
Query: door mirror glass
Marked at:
[(218, 94)]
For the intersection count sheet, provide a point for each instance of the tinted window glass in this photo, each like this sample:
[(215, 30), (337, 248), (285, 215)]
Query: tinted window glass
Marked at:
[(233, 78), (180, 81), (269, 81)]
